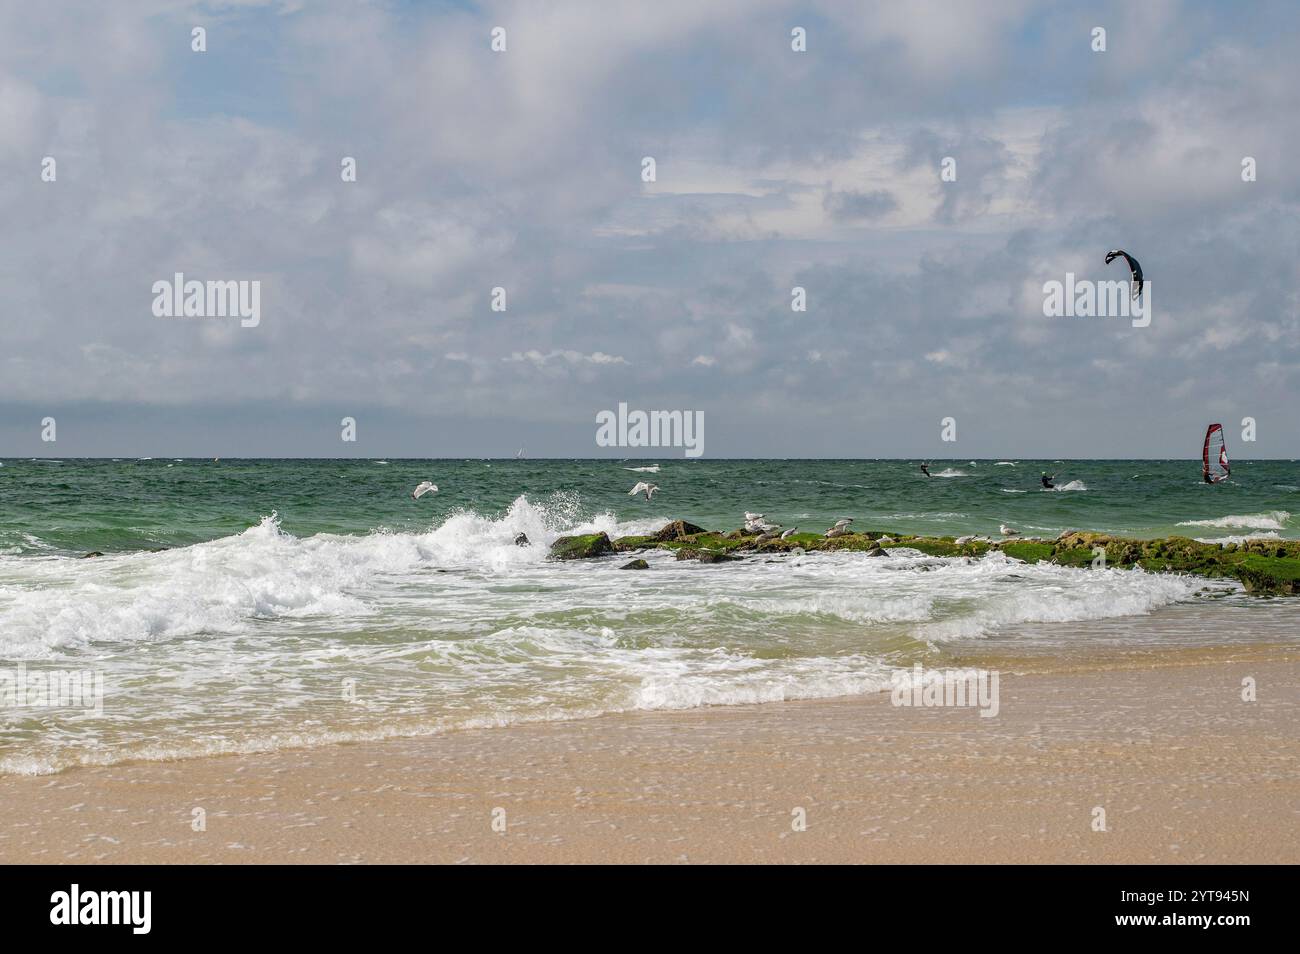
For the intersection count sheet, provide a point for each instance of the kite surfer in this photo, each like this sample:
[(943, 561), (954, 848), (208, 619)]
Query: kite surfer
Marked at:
[(925, 469), (1135, 269), (1047, 481)]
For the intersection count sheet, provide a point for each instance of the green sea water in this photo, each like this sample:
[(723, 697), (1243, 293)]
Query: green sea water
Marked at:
[(82, 505)]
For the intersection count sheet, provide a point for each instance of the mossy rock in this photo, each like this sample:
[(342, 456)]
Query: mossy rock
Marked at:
[(705, 555), (1268, 567), (930, 546), (635, 565), (1028, 551), (713, 556), (1277, 576), (626, 544), (581, 547), (1074, 556), (676, 530)]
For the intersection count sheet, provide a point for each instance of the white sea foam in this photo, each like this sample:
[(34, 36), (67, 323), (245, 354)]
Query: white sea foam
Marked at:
[(1239, 538), (240, 644), (1072, 485), (1272, 520), (950, 472), (651, 469)]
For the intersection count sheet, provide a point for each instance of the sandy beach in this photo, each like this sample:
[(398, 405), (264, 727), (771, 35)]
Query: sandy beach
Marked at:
[(1185, 771)]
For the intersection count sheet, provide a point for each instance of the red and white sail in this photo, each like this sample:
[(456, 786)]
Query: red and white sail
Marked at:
[(1214, 455)]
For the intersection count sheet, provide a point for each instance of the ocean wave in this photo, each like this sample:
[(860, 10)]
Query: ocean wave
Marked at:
[(1239, 538), (1072, 485), (1271, 520), (239, 644), (950, 472), (1078, 594), (235, 584), (651, 469)]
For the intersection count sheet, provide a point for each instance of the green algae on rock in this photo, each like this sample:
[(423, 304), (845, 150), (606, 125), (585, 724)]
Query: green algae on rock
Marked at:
[(581, 547), (1263, 567)]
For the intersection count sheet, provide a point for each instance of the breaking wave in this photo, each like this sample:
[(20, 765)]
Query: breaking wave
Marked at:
[(1272, 520)]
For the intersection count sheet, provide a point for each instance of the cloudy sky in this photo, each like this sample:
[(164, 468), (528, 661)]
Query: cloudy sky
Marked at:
[(523, 169)]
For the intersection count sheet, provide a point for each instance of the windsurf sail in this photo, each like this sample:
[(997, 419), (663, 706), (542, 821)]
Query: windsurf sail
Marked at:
[(1214, 455)]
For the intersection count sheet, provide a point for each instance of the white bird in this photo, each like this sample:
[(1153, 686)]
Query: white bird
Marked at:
[(427, 487), (752, 517), (789, 533), (1008, 531), (643, 488), (843, 522), (765, 537), (837, 532)]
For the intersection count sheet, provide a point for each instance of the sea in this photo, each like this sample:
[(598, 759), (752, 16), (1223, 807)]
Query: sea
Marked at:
[(254, 605)]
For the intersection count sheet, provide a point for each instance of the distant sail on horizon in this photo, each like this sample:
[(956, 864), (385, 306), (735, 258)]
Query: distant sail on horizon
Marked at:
[(1214, 455)]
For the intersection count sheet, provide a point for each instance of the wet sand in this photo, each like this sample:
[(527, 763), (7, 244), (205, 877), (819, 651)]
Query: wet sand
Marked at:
[(1184, 769)]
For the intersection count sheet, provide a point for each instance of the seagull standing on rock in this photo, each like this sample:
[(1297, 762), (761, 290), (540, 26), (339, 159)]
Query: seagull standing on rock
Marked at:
[(789, 533), (643, 488), (1009, 531)]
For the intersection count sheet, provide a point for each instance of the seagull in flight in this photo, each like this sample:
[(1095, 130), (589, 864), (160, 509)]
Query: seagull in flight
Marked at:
[(643, 488), (427, 487)]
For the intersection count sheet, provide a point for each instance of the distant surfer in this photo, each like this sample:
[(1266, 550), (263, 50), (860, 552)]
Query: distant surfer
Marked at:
[(925, 469), (1214, 456), (1047, 481)]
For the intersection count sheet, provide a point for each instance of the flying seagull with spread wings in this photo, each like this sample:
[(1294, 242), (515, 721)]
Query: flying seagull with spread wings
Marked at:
[(643, 488)]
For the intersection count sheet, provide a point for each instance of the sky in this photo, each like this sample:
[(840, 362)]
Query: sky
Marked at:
[(522, 169)]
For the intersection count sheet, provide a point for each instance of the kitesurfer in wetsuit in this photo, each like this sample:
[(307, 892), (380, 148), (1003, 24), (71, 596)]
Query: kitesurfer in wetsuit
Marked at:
[(1047, 481), (925, 469)]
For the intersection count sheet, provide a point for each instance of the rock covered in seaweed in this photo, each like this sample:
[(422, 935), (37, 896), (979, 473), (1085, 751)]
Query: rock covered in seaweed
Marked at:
[(1265, 567), (675, 531), (581, 547)]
